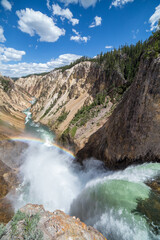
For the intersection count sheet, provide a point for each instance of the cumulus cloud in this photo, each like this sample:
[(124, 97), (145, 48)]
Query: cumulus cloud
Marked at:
[(6, 4), (64, 13), (120, 3), (108, 47), (10, 54), (2, 37), (97, 22), (78, 37), (23, 68), (155, 18), (83, 3), (35, 22)]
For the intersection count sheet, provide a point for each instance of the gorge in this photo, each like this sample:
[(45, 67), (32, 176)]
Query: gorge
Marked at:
[(110, 115)]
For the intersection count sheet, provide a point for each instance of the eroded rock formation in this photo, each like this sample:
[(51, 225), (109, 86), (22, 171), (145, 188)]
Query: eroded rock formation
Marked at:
[(60, 94), (13, 99)]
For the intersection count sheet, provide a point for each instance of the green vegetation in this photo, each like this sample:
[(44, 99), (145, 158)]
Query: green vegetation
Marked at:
[(2, 230), (127, 58), (153, 45), (35, 74), (30, 223), (17, 217), (82, 59), (89, 111), (86, 113), (65, 135), (63, 116), (30, 228), (5, 83), (73, 131)]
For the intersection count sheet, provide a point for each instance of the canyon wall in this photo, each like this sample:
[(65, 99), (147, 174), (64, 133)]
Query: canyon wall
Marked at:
[(13, 99), (132, 134), (60, 94)]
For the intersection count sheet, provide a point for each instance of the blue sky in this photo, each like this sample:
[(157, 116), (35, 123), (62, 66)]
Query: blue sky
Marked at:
[(39, 35)]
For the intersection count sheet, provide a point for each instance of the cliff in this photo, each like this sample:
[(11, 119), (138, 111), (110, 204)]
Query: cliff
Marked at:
[(33, 222), (62, 94), (13, 99), (132, 134)]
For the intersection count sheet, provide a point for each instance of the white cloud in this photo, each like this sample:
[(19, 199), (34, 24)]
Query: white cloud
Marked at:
[(108, 47), (48, 5), (64, 13), (78, 37), (84, 3), (22, 69), (97, 22), (6, 4), (154, 18), (134, 33), (35, 22), (10, 54), (120, 3), (2, 37)]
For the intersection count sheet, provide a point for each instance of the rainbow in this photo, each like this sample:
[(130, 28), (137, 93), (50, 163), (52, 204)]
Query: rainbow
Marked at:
[(31, 139)]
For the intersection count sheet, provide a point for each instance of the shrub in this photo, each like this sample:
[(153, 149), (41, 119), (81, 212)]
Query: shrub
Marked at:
[(29, 228), (63, 116), (2, 230), (17, 217), (73, 131)]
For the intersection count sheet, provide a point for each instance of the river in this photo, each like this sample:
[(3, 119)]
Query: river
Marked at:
[(118, 203)]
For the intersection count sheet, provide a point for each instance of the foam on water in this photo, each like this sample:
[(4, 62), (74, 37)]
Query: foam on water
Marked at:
[(101, 198)]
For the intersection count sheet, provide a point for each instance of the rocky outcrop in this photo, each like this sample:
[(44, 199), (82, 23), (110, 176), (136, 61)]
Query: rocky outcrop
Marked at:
[(33, 222), (132, 133)]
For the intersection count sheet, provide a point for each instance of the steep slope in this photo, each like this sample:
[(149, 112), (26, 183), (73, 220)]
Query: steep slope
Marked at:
[(132, 134), (13, 99)]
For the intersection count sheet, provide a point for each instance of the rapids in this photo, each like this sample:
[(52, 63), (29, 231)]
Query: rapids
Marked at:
[(111, 201)]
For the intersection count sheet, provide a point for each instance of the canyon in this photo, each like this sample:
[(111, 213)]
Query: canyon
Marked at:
[(100, 113), (105, 108)]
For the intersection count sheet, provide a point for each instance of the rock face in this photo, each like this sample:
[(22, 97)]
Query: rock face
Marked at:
[(132, 134), (60, 94), (48, 226), (13, 99)]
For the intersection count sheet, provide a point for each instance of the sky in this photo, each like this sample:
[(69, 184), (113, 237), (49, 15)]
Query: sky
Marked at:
[(40, 35)]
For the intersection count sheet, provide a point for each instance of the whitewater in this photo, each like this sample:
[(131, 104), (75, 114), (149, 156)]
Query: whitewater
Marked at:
[(107, 200)]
